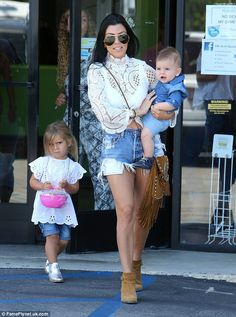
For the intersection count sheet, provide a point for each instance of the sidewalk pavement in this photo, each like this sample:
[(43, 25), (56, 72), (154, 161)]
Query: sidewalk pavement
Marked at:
[(206, 265)]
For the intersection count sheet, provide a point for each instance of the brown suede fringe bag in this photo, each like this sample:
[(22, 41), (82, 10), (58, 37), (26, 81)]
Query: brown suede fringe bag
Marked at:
[(157, 187)]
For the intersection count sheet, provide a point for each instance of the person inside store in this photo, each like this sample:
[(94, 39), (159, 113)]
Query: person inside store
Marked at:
[(217, 88), (213, 87), (118, 89), (8, 112), (90, 132)]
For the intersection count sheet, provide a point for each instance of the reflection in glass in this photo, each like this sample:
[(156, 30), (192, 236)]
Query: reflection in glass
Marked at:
[(201, 120), (13, 101), (13, 147)]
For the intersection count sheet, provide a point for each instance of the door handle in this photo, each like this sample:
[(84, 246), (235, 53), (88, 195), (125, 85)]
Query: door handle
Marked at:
[(28, 84)]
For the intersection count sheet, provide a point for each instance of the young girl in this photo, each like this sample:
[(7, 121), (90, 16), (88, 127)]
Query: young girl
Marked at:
[(56, 171)]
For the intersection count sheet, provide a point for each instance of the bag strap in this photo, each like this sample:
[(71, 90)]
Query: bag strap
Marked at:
[(117, 85), (46, 167)]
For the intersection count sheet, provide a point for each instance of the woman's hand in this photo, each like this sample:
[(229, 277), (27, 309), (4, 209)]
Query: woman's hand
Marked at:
[(146, 104), (61, 100)]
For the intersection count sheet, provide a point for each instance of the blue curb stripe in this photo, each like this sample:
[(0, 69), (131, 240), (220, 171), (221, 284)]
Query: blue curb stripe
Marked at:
[(148, 280), (56, 300), (43, 276), (108, 309)]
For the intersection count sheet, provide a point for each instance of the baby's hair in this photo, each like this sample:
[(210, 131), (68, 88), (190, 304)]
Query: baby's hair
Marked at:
[(169, 52), (61, 129)]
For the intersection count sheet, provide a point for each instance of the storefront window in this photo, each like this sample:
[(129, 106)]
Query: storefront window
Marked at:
[(208, 215), (14, 18)]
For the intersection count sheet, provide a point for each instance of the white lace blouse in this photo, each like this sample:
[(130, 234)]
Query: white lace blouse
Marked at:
[(53, 170), (135, 78)]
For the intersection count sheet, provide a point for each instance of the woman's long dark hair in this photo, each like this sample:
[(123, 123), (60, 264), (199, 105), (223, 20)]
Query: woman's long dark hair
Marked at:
[(100, 52)]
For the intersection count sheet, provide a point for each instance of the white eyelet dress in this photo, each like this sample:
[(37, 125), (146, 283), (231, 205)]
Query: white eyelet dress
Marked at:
[(53, 170)]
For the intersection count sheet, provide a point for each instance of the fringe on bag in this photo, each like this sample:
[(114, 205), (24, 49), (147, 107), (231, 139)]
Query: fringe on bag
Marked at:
[(157, 187)]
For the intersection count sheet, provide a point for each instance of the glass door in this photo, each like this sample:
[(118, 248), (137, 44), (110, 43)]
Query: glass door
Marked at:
[(18, 114), (96, 211), (64, 48), (147, 21), (207, 219)]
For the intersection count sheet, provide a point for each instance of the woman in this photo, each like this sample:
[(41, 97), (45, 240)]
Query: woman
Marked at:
[(91, 133), (87, 30), (118, 86)]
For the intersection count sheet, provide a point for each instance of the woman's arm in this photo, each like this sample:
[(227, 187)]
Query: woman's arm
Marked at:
[(147, 102)]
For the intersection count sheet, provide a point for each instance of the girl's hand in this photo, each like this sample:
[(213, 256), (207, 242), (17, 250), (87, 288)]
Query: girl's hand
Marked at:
[(37, 185), (47, 185), (146, 104), (69, 188), (63, 184)]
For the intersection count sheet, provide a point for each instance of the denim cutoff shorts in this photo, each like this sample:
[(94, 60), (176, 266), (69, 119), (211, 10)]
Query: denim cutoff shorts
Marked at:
[(49, 229), (120, 150)]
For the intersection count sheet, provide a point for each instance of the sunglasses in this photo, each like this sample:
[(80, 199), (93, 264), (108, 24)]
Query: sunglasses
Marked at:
[(110, 39)]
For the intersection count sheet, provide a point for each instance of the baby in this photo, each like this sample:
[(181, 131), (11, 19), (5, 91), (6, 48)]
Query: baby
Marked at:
[(170, 93)]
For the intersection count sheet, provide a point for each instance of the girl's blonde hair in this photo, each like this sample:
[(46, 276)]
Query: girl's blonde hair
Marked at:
[(63, 45), (61, 129)]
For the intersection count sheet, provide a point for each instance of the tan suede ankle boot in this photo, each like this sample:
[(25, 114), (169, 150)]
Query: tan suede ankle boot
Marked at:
[(128, 292), (138, 276)]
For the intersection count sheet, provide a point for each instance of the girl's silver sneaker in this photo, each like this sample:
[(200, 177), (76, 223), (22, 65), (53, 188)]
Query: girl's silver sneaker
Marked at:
[(46, 269), (54, 274)]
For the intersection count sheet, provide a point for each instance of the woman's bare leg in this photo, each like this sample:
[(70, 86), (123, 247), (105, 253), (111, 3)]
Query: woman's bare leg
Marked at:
[(140, 233), (122, 187)]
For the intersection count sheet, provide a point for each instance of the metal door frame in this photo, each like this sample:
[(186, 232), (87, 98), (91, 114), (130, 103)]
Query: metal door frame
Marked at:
[(19, 229), (85, 237)]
